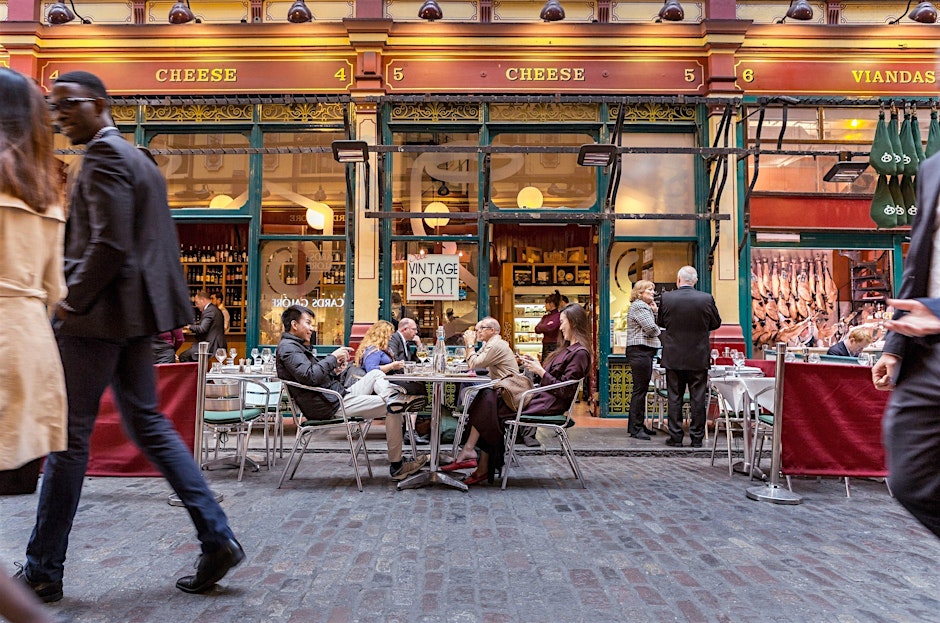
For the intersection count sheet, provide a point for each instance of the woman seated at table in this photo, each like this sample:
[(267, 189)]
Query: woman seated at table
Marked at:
[(857, 341), (373, 353), (488, 414)]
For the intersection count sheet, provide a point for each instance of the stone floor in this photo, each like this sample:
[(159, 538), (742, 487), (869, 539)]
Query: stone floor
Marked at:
[(653, 538)]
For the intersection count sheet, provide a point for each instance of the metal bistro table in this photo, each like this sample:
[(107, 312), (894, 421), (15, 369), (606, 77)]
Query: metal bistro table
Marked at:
[(251, 373), (747, 394), (437, 381)]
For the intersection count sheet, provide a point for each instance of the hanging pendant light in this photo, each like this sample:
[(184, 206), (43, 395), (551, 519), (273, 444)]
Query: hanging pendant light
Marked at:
[(530, 198), (430, 11), (800, 10), (299, 13), (436, 207), (60, 14), (924, 13), (672, 11), (552, 11), (181, 13)]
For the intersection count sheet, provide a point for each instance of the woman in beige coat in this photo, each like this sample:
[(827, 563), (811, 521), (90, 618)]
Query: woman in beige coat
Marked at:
[(32, 386)]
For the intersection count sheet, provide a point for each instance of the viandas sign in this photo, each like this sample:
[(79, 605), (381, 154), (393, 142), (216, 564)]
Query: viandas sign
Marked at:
[(433, 277)]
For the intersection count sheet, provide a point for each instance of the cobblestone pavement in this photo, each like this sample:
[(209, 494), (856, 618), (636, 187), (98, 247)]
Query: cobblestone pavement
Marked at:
[(664, 538)]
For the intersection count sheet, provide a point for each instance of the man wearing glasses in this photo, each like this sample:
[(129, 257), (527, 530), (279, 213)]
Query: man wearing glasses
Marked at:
[(495, 354)]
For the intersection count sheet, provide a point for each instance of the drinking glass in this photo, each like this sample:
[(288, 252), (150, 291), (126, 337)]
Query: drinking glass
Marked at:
[(266, 355), (255, 354), (422, 353), (813, 358), (460, 354), (714, 356), (232, 354), (220, 355), (864, 360)]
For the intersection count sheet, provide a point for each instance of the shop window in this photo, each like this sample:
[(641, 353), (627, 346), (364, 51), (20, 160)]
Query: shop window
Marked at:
[(656, 184), (435, 182), (542, 180), (312, 274), (814, 297), (857, 125), (802, 124), (804, 173), (303, 194), (211, 179), (455, 314), (652, 261)]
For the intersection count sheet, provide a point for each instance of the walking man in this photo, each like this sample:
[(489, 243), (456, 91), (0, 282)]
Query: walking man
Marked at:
[(687, 317), (125, 284), (910, 364)]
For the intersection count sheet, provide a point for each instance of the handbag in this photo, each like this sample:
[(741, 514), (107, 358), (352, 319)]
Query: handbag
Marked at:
[(511, 387), (351, 375)]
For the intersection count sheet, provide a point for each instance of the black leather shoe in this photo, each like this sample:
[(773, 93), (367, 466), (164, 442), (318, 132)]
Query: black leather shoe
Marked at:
[(696, 444), (640, 435), (674, 443), (649, 431), (47, 592), (210, 568)]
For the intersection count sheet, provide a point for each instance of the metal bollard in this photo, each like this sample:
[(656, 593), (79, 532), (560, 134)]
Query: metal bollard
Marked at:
[(772, 491)]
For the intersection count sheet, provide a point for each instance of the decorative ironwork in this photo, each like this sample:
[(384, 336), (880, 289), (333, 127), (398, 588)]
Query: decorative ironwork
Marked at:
[(544, 112), (655, 112), (437, 111), (188, 113), (620, 388), (309, 112), (124, 114)]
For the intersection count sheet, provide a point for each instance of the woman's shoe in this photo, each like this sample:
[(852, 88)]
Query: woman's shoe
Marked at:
[(469, 463), (474, 479)]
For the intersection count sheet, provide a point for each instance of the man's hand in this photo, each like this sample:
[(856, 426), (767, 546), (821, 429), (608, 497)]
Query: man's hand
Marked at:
[(918, 322), (341, 354), (882, 373)]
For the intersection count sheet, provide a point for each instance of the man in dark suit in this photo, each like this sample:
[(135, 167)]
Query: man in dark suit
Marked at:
[(857, 340), (687, 316), (403, 346), (910, 364), (125, 285), (210, 328)]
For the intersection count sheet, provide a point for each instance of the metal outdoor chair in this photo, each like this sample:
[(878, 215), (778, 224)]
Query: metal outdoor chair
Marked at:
[(231, 409), (731, 400), (558, 424), (352, 425), (469, 394), (272, 402)]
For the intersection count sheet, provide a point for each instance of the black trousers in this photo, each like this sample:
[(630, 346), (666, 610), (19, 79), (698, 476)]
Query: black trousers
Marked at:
[(696, 381), (640, 359), (911, 428)]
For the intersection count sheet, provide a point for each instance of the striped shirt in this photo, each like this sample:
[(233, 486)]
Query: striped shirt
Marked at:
[(642, 329)]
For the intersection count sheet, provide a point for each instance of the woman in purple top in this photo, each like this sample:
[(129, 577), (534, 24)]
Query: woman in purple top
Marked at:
[(549, 325)]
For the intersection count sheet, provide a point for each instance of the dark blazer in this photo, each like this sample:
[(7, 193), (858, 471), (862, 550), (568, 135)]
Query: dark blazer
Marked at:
[(687, 316), (399, 349), (839, 349), (210, 328), (299, 363), (122, 263), (916, 265)]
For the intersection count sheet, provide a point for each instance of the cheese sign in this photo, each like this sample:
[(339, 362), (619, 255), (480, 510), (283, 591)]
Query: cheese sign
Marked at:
[(433, 278)]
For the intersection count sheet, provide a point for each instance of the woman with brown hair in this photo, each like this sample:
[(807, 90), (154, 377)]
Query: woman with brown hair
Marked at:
[(373, 353), (548, 326), (487, 414), (32, 386)]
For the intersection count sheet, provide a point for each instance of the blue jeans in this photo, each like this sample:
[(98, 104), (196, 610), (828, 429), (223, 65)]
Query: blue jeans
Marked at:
[(127, 366)]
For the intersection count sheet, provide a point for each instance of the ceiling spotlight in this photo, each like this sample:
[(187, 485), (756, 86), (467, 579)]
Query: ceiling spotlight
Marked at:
[(430, 11), (181, 13), (671, 11), (845, 170), (299, 13), (924, 13), (61, 14), (552, 11)]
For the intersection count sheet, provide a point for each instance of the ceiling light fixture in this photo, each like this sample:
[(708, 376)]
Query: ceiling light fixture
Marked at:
[(552, 11), (299, 13), (430, 11), (671, 11), (181, 13), (597, 155), (60, 14), (799, 10), (347, 151), (530, 198), (436, 207), (845, 170)]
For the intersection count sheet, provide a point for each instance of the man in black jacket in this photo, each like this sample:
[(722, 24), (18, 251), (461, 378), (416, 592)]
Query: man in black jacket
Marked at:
[(687, 316), (210, 328), (122, 268), (371, 397)]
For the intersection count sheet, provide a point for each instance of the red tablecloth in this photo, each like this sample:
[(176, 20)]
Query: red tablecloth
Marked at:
[(831, 421), (112, 454)]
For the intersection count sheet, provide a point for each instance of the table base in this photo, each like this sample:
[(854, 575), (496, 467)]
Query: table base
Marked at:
[(232, 462), (174, 500), (426, 478), (775, 494), (740, 467)]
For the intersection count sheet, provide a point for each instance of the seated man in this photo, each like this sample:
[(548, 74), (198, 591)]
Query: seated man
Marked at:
[(369, 397), (858, 340), (495, 355)]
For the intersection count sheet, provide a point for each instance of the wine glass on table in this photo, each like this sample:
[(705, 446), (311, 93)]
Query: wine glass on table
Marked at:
[(220, 355), (737, 358), (714, 356), (255, 354), (422, 353), (232, 354), (460, 354)]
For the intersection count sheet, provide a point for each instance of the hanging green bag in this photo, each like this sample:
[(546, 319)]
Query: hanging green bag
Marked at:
[(933, 135), (909, 193), (908, 151), (894, 133), (882, 205), (882, 156), (900, 206), (916, 136)]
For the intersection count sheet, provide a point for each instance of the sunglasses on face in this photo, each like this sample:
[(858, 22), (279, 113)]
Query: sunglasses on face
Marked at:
[(68, 103)]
